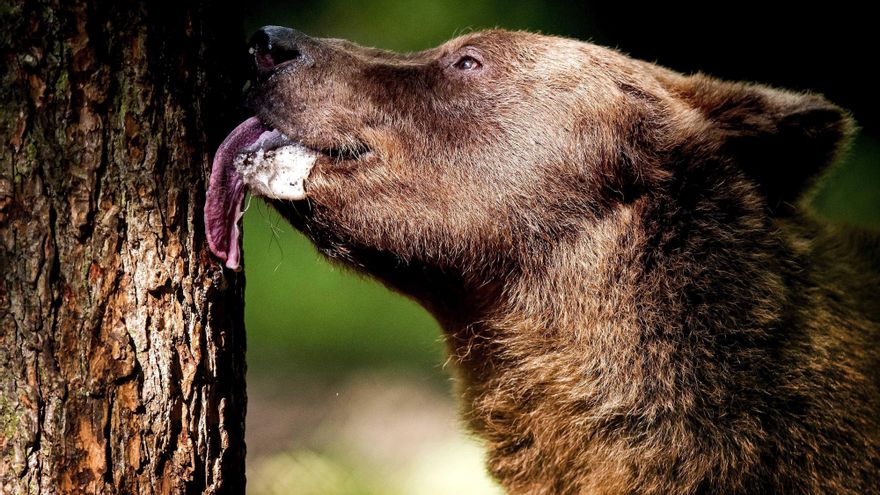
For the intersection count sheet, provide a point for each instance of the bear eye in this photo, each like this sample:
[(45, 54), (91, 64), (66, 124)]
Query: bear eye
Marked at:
[(467, 63)]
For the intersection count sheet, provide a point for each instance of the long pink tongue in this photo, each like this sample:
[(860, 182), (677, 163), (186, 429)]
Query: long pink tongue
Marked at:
[(226, 194)]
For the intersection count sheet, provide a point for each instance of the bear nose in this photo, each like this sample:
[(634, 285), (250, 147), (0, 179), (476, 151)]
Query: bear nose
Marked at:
[(274, 45)]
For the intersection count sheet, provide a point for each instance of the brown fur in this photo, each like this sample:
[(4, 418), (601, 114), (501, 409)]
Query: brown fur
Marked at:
[(635, 300)]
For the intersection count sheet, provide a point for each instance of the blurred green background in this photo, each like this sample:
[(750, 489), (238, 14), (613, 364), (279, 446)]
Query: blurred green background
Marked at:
[(348, 394)]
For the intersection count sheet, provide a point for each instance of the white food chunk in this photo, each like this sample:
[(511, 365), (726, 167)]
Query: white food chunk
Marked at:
[(278, 173)]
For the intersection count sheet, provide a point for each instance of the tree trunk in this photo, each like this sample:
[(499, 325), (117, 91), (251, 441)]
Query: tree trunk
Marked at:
[(121, 339)]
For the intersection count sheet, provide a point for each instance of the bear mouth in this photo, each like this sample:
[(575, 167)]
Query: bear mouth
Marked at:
[(265, 161)]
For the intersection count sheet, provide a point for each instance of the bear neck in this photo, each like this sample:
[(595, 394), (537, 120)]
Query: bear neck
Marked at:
[(653, 317)]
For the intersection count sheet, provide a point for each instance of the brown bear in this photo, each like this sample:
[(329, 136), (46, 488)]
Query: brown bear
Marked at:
[(637, 300)]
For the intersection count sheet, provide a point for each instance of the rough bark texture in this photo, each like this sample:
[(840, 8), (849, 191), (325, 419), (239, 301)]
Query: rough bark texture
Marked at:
[(121, 340)]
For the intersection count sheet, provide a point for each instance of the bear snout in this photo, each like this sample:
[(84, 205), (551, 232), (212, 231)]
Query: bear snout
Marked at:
[(272, 46)]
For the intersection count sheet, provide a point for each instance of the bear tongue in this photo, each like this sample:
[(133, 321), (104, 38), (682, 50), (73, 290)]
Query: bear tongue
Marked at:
[(226, 193)]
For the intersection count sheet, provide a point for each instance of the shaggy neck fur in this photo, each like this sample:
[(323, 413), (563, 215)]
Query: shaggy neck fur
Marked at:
[(644, 359)]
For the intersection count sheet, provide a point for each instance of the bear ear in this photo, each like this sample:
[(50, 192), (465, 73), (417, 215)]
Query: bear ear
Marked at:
[(781, 139)]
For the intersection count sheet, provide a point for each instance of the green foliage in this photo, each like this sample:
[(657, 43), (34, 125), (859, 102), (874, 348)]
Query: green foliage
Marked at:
[(408, 26), (303, 314), (850, 193)]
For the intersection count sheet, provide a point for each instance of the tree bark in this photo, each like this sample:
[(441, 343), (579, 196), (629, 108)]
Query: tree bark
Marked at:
[(121, 339)]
